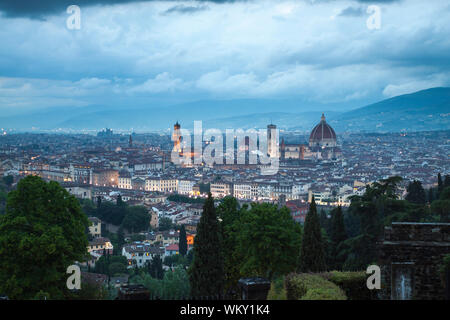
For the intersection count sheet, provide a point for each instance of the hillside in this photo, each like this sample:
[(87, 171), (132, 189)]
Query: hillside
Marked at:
[(423, 110), (420, 111)]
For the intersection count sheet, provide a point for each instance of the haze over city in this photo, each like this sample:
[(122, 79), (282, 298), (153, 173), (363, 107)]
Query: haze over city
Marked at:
[(243, 56)]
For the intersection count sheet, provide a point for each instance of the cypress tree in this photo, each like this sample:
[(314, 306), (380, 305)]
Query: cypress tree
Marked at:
[(440, 184), (155, 267), (183, 241), (447, 181), (416, 193), (119, 201), (338, 235), (430, 195), (206, 274), (312, 253), (324, 221)]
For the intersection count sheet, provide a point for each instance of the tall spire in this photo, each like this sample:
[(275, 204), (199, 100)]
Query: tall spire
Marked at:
[(323, 117)]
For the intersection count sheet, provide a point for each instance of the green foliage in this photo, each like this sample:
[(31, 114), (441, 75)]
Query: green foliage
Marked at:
[(137, 237), (206, 273), (174, 286), (447, 181), (312, 254), (444, 269), (182, 247), (295, 287), (8, 180), (416, 193), (323, 294), (103, 264), (155, 267), (189, 258), (260, 240), (338, 236), (90, 291), (353, 284), (268, 240), (117, 268), (228, 212), (307, 286), (445, 266), (431, 195), (111, 212), (131, 218), (41, 234), (119, 201), (440, 184), (441, 207), (42, 295), (88, 207), (3, 197), (277, 290), (176, 260), (136, 219), (165, 224), (352, 223), (325, 221), (184, 199), (377, 207)]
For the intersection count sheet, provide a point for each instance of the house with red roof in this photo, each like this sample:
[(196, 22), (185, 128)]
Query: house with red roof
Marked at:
[(171, 249)]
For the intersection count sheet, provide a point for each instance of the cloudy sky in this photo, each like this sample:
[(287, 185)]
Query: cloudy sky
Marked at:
[(130, 53)]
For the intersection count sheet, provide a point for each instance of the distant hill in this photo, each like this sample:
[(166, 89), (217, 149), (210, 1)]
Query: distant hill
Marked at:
[(242, 113), (420, 111)]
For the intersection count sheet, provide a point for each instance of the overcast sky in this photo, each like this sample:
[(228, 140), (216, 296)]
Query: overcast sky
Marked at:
[(135, 53)]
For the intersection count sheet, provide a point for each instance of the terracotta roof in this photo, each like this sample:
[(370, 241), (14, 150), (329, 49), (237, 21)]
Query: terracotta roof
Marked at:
[(172, 247)]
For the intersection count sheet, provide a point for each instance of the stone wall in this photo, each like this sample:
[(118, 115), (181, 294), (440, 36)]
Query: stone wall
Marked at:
[(410, 256)]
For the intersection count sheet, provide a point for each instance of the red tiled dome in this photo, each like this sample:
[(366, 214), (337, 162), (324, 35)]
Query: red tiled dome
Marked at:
[(322, 131)]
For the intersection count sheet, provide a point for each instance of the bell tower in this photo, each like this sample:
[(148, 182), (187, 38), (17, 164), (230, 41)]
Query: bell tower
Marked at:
[(176, 137)]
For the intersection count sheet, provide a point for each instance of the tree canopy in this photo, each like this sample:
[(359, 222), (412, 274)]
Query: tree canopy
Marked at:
[(183, 241), (268, 241), (41, 234), (312, 254), (206, 272)]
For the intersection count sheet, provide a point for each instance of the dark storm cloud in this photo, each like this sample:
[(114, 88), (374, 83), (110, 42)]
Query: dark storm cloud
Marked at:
[(185, 9), (352, 12), (37, 9), (41, 8)]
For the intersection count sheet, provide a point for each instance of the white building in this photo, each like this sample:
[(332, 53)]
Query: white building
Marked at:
[(185, 187), (161, 184), (245, 190), (124, 180), (139, 253), (221, 189), (95, 229)]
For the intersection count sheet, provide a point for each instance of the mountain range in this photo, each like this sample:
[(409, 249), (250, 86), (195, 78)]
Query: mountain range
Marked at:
[(420, 111)]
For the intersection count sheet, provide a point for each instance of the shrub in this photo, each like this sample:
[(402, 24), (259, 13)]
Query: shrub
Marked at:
[(353, 284), (295, 287), (307, 286), (444, 268), (324, 294), (277, 290), (117, 268)]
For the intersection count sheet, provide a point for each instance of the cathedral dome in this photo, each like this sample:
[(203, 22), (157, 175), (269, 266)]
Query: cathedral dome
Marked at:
[(322, 135)]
